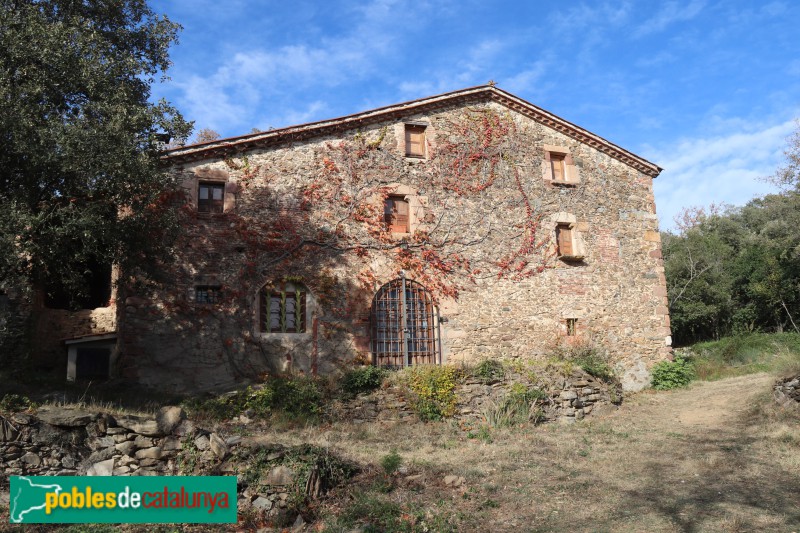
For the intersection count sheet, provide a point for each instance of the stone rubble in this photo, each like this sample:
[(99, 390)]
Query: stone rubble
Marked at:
[(63, 441), (787, 391)]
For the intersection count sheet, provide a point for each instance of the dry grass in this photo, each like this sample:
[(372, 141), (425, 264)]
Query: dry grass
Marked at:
[(718, 456), (663, 462)]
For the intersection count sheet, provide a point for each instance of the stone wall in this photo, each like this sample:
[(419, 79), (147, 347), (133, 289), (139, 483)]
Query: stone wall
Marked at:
[(787, 391), (62, 441), (566, 400), (616, 295), (53, 326)]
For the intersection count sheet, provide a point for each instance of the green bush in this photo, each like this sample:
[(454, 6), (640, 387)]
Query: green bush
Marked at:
[(362, 379), (668, 375), (295, 396), (595, 364), (488, 370), (391, 462), (434, 390), (15, 402)]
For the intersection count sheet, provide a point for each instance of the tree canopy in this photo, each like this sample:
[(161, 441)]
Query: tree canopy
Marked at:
[(80, 180), (737, 269)]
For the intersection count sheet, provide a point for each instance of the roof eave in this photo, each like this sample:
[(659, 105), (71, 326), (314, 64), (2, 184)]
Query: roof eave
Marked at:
[(230, 146)]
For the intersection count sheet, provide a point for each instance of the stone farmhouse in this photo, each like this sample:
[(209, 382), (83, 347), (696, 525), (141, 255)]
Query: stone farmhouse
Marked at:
[(448, 229)]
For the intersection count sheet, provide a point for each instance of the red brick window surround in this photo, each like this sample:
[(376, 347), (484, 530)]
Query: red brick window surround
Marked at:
[(282, 309), (415, 140), (396, 214), (210, 197)]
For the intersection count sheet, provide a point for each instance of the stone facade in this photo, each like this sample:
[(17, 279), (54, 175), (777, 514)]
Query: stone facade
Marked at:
[(298, 209)]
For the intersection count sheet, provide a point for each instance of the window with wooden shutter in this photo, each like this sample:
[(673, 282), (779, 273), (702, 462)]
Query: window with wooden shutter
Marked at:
[(210, 198), (564, 240), (415, 140), (558, 167), (396, 214)]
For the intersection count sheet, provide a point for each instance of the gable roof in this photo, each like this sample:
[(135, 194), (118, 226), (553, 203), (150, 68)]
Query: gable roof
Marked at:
[(230, 146)]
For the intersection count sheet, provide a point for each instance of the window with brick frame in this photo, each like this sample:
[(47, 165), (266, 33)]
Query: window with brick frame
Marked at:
[(207, 294), (282, 309), (210, 197), (396, 214), (558, 167), (415, 140)]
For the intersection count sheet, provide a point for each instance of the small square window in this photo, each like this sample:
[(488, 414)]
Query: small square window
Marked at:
[(395, 214), (207, 294), (210, 198), (572, 327), (415, 140)]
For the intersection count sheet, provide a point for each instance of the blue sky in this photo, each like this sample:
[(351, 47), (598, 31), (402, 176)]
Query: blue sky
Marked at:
[(708, 90)]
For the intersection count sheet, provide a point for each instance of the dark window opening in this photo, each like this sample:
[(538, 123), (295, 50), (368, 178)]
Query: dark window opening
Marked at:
[(207, 294), (92, 363), (395, 214), (572, 327), (93, 290), (282, 311), (210, 198)]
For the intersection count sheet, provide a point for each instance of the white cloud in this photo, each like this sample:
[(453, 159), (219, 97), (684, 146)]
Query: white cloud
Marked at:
[(670, 13), (237, 92), (719, 169)]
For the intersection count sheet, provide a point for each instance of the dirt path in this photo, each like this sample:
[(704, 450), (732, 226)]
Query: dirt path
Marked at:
[(706, 406), (715, 457)]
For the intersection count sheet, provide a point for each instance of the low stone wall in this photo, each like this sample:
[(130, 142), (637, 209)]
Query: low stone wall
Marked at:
[(567, 400), (787, 391), (61, 441)]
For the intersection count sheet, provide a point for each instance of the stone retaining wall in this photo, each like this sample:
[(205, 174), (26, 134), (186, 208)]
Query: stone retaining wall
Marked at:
[(787, 391), (62, 441), (567, 400)]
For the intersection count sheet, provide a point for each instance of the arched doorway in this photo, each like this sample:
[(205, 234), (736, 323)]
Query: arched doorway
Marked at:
[(404, 325)]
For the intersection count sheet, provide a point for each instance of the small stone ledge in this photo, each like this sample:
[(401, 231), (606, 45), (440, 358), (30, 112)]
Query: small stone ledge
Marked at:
[(786, 391)]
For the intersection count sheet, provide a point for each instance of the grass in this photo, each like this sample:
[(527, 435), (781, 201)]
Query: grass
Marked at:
[(745, 354)]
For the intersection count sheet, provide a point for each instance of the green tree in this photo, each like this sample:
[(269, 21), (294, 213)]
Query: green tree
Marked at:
[(80, 180)]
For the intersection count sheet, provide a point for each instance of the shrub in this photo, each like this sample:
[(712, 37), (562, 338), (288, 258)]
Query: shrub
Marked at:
[(672, 374), (590, 357), (434, 391), (296, 396), (362, 379), (517, 407), (15, 402), (489, 370), (391, 462)]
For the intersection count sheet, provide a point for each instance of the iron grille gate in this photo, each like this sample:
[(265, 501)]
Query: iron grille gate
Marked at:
[(404, 331)]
